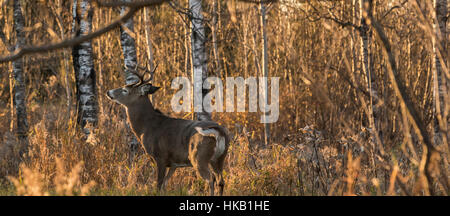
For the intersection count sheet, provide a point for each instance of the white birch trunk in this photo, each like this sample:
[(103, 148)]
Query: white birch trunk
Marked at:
[(199, 60), (440, 94), (264, 68), (129, 50), (19, 85), (84, 68), (130, 62)]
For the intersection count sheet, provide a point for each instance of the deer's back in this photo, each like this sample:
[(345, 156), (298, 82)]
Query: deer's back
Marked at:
[(170, 138)]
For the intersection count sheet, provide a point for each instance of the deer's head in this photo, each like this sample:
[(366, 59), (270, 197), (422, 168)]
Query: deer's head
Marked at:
[(129, 94)]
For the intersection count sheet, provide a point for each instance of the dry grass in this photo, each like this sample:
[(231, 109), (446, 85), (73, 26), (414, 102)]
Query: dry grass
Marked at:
[(321, 144), (62, 161), (67, 163)]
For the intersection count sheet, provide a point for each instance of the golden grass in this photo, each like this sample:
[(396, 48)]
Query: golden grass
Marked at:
[(320, 146)]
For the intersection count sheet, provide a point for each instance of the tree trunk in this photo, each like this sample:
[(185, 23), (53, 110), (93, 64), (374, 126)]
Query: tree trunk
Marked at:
[(245, 25), (149, 43), (19, 85), (408, 109), (214, 38), (84, 67), (147, 38), (440, 111), (264, 67), (129, 51), (130, 62), (365, 11), (199, 61), (188, 57)]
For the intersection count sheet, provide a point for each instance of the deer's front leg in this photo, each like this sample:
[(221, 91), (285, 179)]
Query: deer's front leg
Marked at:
[(161, 174), (168, 175)]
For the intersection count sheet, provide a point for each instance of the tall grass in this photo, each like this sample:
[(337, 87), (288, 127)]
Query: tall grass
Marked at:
[(320, 145)]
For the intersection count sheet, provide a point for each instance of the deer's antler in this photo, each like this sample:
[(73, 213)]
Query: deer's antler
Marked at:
[(152, 73), (141, 77)]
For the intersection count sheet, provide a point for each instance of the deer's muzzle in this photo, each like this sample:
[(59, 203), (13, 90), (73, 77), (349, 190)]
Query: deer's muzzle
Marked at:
[(109, 94)]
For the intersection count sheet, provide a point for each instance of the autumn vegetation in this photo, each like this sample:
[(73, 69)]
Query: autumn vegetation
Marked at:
[(332, 137)]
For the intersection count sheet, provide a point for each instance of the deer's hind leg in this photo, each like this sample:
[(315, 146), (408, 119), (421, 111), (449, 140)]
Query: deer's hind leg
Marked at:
[(201, 150), (217, 167)]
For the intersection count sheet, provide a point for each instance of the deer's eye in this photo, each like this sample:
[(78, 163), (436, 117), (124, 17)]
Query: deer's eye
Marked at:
[(124, 91)]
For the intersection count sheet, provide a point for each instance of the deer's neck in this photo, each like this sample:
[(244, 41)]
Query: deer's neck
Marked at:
[(140, 115)]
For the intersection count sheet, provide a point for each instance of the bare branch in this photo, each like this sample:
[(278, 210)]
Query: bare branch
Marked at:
[(135, 3), (133, 8), (144, 3), (393, 8), (330, 16), (343, 24), (258, 2), (69, 42), (406, 104)]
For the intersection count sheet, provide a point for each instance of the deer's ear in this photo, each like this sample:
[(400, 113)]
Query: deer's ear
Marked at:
[(148, 89)]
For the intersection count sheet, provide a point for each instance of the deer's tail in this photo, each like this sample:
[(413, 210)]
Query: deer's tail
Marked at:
[(221, 136)]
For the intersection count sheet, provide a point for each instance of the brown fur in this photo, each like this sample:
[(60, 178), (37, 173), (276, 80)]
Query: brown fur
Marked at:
[(172, 142)]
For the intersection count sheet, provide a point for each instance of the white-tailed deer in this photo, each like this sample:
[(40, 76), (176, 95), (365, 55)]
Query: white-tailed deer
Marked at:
[(173, 142)]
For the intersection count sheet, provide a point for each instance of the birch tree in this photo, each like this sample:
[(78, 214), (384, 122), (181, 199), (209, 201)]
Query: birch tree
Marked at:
[(129, 50), (84, 67), (264, 68), (440, 111), (19, 82), (199, 60), (130, 62)]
